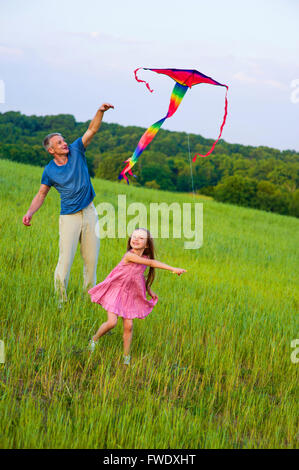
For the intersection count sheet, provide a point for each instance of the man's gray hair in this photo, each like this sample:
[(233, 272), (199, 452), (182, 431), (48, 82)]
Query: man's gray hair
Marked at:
[(46, 141)]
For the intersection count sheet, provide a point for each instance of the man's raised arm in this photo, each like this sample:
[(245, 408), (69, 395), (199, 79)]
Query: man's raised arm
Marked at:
[(36, 203), (95, 124)]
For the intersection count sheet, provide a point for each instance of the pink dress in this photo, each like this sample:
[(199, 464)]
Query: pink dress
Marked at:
[(123, 292)]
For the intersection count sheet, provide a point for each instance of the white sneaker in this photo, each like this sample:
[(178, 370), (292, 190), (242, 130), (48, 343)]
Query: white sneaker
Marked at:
[(127, 360), (92, 345)]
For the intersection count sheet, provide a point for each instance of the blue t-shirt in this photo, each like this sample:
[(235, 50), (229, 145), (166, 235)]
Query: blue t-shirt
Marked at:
[(71, 180)]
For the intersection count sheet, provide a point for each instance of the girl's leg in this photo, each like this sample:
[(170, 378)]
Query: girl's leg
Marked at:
[(128, 333), (108, 325)]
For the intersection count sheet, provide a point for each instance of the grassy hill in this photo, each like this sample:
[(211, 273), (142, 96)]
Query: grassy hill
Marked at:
[(258, 177), (211, 364)]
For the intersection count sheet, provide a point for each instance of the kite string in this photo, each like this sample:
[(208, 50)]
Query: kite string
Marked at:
[(191, 166)]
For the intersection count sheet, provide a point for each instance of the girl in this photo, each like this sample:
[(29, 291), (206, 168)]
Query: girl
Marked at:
[(123, 292)]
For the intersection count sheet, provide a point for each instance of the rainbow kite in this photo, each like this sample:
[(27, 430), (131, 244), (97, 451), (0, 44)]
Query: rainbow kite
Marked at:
[(184, 79)]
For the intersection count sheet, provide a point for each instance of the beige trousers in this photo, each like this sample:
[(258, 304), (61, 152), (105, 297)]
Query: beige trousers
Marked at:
[(74, 228)]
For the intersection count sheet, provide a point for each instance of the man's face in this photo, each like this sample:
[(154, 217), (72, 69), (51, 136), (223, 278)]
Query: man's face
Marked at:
[(58, 146)]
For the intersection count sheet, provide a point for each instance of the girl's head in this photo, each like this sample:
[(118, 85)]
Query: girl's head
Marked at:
[(141, 238)]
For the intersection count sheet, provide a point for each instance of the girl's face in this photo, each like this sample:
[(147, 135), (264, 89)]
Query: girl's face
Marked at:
[(139, 239)]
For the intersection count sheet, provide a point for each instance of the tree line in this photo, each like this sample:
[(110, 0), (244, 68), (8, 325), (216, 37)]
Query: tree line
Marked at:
[(258, 177)]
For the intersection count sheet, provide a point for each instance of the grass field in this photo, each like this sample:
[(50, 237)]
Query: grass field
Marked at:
[(211, 365)]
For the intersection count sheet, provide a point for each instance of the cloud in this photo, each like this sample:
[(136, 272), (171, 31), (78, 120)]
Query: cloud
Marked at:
[(111, 38), (275, 84), (10, 51), (245, 78)]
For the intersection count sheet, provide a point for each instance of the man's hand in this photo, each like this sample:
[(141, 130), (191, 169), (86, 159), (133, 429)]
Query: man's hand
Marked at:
[(37, 201), (27, 219), (95, 124), (105, 107)]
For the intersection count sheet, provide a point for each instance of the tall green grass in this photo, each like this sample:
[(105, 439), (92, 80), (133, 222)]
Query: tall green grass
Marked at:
[(211, 364)]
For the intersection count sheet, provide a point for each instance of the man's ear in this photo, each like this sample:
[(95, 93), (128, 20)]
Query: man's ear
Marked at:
[(51, 150)]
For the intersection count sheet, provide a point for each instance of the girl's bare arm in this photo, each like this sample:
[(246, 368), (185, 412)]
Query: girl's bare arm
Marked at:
[(133, 258)]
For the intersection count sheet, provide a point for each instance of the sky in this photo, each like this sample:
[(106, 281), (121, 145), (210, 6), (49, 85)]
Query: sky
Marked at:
[(70, 57)]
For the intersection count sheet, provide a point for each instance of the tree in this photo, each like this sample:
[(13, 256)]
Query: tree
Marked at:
[(237, 190), (160, 173), (110, 165), (152, 184), (294, 203)]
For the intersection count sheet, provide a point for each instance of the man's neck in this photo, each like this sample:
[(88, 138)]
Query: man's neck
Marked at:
[(60, 159)]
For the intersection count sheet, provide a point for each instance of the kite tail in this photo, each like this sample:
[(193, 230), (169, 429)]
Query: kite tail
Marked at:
[(145, 140), (221, 129), (142, 81), (177, 95), (127, 169)]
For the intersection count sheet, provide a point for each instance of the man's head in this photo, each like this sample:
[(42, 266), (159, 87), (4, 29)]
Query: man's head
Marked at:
[(55, 144)]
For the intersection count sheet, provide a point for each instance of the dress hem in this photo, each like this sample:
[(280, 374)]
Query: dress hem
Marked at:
[(129, 316)]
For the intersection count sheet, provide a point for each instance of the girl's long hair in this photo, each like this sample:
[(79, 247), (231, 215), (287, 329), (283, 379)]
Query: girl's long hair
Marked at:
[(150, 252)]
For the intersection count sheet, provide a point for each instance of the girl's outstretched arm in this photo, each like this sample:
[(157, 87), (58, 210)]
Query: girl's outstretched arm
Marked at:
[(133, 258)]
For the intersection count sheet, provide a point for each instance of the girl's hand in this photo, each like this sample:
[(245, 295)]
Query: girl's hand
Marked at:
[(152, 294), (178, 271)]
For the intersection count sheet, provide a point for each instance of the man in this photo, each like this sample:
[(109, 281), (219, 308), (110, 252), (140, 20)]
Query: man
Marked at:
[(68, 173)]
